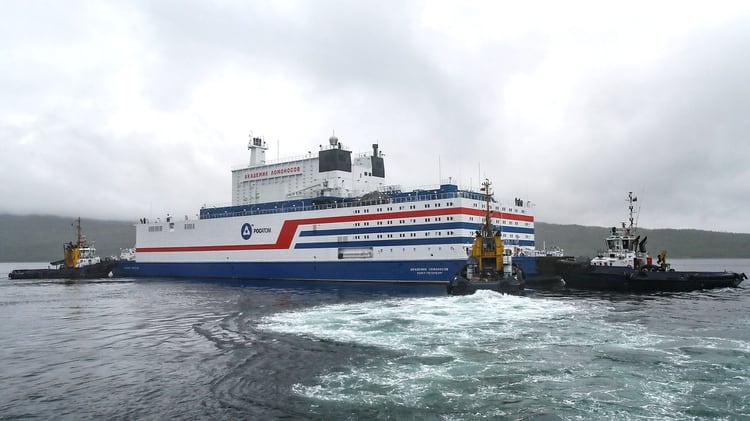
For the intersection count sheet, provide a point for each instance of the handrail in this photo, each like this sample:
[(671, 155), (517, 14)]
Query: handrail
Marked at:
[(345, 204), (402, 198)]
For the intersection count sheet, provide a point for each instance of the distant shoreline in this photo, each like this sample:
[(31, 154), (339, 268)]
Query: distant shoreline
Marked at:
[(39, 238)]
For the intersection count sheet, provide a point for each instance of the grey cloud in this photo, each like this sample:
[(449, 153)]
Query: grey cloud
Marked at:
[(672, 130)]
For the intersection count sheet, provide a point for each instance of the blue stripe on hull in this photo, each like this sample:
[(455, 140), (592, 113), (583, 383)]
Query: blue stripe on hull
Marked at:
[(527, 264), (401, 243), (426, 271), (386, 243), (445, 226)]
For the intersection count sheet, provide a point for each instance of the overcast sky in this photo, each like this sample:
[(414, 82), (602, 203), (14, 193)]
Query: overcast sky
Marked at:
[(118, 110)]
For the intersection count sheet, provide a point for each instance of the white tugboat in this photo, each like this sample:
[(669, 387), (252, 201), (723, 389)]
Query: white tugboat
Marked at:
[(627, 266)]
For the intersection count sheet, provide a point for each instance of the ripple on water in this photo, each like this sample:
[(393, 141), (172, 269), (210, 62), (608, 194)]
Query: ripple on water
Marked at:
[(504, 351)]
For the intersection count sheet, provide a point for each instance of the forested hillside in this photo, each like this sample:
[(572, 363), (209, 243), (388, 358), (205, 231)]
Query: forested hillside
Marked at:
[(36, 238), (579, 240)]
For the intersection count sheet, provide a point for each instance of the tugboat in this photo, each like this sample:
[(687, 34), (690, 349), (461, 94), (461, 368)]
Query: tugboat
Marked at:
[(490, 265), (80, 262), (627, 267)]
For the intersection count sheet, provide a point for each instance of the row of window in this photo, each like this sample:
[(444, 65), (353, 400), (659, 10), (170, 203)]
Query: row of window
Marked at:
[(158, 228), (410, 207), (191, 226), (402, 221), (426, 234), (428, 205), (436, 219), (401, 235)]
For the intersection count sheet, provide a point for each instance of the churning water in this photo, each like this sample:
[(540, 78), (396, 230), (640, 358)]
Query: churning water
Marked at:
[(210, 350)]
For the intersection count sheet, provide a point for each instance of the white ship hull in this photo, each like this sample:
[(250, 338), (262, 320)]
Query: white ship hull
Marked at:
[(326, 217), (421, 240)]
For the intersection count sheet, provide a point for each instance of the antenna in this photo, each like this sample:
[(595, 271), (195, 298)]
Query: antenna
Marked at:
[(79, 238), (487, 228), (631, 199), (479, 171)]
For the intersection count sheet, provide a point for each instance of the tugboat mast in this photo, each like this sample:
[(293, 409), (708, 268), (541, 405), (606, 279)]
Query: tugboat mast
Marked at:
[(80, 240), (631, 199), (487, 228)]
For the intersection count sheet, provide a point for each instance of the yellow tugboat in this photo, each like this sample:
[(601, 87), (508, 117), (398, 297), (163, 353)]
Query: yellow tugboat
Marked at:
[(490, 265), (79, 262)]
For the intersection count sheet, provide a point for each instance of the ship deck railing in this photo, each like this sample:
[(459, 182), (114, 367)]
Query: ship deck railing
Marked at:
[(292, 206)]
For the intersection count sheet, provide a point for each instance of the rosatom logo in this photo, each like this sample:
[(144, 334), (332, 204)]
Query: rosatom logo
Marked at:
[(246, 231)]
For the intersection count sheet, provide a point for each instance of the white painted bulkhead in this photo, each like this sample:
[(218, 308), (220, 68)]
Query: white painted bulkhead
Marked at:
[(213, 240)]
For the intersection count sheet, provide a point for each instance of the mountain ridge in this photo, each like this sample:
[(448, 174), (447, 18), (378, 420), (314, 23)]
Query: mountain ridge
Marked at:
[(579, 240), (40, 238)]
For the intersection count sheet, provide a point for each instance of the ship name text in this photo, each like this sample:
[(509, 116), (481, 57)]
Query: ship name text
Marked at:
[(272, 173)]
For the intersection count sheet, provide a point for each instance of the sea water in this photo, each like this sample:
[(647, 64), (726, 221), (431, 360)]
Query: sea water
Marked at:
[(201, 349)]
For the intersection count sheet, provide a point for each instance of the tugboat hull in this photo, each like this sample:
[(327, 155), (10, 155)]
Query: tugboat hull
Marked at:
[(623, 279), (462, 286), (95, 271)]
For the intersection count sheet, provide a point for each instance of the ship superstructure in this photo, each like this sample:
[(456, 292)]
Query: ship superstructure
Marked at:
[(333, 172), (327, 216)]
